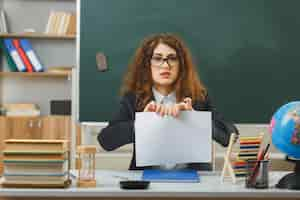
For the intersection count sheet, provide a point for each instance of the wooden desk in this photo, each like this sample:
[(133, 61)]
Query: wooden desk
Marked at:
[(210, 187)]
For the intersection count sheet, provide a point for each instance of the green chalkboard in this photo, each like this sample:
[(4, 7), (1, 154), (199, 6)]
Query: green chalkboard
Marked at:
[(247, 51)]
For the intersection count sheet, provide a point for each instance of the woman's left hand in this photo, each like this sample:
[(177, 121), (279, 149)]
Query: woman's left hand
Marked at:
[(176, 108)]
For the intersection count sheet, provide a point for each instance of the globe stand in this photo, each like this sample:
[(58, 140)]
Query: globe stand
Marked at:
[(291, 180)]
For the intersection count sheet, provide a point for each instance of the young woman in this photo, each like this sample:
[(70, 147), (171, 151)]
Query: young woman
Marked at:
[(163, 79)]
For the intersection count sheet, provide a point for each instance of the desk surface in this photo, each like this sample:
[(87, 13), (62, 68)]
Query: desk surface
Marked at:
[(209, 186)]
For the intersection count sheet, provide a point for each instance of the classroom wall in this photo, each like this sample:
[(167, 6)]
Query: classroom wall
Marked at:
[(34, 14)]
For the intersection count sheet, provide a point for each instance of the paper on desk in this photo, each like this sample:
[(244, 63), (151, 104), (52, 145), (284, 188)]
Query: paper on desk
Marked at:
[(168, 140)]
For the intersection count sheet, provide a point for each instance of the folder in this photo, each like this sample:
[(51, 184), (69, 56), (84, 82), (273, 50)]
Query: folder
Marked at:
[(71, 29), (12, 66), (22, 54), (184, 176), (3, 22), (14, 54), (60, 29), (37, 66), (57, 22), (67, 22), (50, 21)]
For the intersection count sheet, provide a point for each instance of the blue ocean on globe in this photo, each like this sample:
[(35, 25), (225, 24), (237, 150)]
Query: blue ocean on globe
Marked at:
[(285, 129)]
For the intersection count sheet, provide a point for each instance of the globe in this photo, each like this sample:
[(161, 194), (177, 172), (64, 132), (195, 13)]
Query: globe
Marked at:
[(285, 130)]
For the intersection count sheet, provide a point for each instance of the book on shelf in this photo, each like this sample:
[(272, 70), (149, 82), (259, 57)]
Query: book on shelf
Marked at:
[(25, 59), (57, 22), (16, 109), (71, 28), (15, 55), (61, 23), (37, 66), (44, 183), (35, 168), (32, 161), (28, 113), (20, 106), (50, 22), (17, 157), (3, 23), (38, 146), (26, 177), (11, 64), (36, 177)]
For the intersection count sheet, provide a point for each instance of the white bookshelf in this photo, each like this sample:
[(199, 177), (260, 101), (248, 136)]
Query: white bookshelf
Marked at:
[(51, 49)]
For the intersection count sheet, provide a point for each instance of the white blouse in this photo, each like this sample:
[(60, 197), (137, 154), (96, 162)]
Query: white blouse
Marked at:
[(170, 99)]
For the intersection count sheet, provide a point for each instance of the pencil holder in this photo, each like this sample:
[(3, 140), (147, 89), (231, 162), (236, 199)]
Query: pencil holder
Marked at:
[(257, 174)]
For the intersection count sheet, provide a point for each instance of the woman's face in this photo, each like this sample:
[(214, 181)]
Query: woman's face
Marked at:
[(164, 65)]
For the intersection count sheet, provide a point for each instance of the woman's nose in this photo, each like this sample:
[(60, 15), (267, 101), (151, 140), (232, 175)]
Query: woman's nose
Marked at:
[(165, 64)]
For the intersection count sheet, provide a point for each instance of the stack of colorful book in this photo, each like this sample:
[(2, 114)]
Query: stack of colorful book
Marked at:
[(20, 56), (248, 150), (36, 163)]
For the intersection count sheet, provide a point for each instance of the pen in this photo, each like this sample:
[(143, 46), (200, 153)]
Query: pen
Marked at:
[(261, 156)]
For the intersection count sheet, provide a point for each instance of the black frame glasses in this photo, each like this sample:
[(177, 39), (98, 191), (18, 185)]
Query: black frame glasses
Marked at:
[(158, 61)]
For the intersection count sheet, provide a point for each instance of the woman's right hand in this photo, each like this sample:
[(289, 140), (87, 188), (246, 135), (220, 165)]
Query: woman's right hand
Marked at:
[(150, 107), (160, 109), (172, 110)]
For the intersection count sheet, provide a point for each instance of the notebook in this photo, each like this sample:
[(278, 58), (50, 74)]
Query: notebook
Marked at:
[(184, 176)]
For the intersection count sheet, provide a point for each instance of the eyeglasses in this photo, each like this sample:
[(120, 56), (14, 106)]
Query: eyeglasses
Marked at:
[(158, 61)]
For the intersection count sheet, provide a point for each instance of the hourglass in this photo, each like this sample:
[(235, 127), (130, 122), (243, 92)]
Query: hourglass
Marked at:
[(86, 171)]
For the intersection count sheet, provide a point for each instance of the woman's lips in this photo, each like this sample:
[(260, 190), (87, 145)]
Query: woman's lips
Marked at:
[(165, 74)]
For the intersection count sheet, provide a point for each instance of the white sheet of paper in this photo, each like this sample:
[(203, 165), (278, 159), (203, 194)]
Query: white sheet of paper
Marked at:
[(168, 140)]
